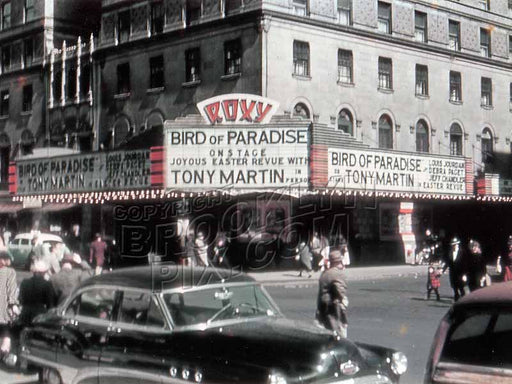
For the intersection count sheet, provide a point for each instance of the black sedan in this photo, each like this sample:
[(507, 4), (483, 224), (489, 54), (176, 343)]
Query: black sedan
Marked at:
[(169, 324)]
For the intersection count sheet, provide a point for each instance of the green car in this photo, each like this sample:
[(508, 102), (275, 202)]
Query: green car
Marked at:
[(20, 247)]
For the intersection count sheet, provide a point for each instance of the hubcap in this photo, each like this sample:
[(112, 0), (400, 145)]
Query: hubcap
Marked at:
[(51, 376)]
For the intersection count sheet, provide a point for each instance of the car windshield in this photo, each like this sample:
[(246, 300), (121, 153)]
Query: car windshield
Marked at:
[(206, 306)]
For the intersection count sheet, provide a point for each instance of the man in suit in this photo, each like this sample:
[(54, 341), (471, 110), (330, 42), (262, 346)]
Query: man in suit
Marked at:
[(456, 263)]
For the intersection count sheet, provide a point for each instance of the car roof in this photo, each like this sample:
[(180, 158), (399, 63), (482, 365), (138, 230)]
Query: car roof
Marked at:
[(161, 277), (41, 236), (498, 293)]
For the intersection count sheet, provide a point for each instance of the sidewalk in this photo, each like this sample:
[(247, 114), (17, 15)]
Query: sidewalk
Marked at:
[(352, 273)]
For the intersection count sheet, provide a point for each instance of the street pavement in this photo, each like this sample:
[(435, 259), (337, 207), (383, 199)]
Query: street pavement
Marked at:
[(387, 307)]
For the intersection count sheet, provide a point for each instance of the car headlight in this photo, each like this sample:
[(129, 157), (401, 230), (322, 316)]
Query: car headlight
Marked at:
[(276, 378), (398, 363)]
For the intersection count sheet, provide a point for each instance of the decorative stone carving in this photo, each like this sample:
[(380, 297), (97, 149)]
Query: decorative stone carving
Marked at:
[(139, 19), (470, 36), (365, 13), (403, 19), (107, 28), (173, 11), (438, 27), (499, 43)]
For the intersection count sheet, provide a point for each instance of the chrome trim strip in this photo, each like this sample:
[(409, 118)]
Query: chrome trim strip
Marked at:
[(124, 372)]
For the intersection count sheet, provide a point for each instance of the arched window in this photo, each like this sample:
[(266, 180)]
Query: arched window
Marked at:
[(346, 122), (302, 111), (154, 120), (455, 140), (121, 131), (385, 132), (487, 149), (27, 142), (422, 136)]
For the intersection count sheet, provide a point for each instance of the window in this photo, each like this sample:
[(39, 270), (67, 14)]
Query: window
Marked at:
[(232, 57), (6, 58), (300, 58), (123, 27), (157, 17), (345, 12), (300, 7), (384, 17), (156, 72), (455, 140), (6, 15), (57, 85), (193, 11), (454, 38), (193, 65), (4, 103), (385, 132), (30, 10), (421, 80), (302, 111), (385, 73), (345, 65), (455, 86), (485, 42), (346, 122), (28, 52), (123, 78), (484, 4), (422, 136), (420, 26), (27, 98), (487, 149), (510, 94), (95, 303), (141, 309), (486, 92), (70, 81), (121, 131), (233, 5), (510, 46), (85, 80)]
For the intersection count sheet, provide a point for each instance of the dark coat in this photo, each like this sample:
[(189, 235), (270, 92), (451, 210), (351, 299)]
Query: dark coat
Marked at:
[(36, 297), (332, 289), (457, 268), (477, 269)]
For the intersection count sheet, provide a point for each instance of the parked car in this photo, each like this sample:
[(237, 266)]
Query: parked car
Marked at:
[(179, 324), (473, 342), (20, 247)]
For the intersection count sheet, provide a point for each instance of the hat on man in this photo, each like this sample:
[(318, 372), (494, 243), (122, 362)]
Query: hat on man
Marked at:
[(40, 266), (335, 256), (454, 241)]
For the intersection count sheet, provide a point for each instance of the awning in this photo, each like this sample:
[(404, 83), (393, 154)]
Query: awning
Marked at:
[(56, 207), (10, 207)]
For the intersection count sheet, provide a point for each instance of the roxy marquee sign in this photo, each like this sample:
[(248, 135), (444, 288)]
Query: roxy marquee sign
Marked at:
[(395, 172), (237, 108)]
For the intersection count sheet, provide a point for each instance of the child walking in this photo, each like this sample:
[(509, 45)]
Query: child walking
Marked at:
[(434, 281)]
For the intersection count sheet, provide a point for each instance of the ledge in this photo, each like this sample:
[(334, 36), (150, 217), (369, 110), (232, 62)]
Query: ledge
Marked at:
[(4, 117), (455, 102), (231, 77), (385, 90), (122, 96), (422, 97), (347, 85), (155, 90), (26, 113), (190, 84), (301, 77), (487, 107)]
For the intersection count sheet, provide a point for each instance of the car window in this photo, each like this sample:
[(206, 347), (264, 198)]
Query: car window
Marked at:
[(139, 308), (24, 241), (95, 303), (480, 338)]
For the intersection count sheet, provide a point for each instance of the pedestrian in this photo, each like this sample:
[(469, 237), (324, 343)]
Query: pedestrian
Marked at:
[(433, 281), (72, 273), (97, 254), (220, 250), (316, 250), (332, 299), (52, 258), (304, 256), (201, 249), (8, 301), (477, 268), (36, 293), (506, 262), (345, 254), (455, 262)]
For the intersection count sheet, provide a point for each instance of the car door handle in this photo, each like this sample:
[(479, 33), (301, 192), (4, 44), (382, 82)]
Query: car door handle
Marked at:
[(114, 329)]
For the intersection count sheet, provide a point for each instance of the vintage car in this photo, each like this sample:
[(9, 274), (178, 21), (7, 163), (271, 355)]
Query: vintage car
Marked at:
[(19, 248), (173, 324), (473, 342)]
